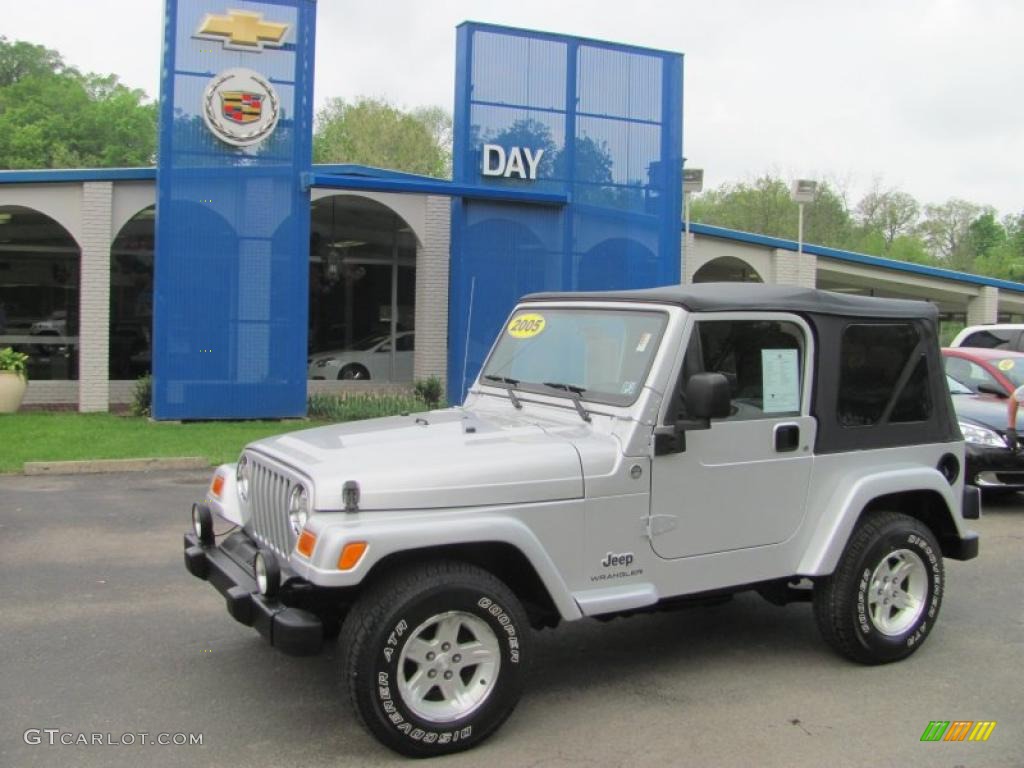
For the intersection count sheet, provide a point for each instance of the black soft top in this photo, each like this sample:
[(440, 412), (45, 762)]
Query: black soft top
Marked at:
[(725, 297)]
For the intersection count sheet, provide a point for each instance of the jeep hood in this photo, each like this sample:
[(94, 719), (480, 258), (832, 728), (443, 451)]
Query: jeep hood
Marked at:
[(440, 459)]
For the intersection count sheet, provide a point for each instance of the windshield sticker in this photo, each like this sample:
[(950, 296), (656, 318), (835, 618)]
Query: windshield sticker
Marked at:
[(780, 375), (526, 326), (1005, 365), (645, 339), (628, 387)]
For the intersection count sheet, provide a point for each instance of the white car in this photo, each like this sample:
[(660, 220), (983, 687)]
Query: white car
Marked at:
[(369, 359), (999, 336)]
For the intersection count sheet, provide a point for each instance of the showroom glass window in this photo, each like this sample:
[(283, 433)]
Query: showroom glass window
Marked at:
[(362, 291), (39, 279)]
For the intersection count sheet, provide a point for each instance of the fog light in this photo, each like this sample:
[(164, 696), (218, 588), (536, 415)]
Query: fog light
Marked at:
[(268, 573), (202, 524)]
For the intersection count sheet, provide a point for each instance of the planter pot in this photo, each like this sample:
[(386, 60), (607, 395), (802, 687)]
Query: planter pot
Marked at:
[(12, 390)]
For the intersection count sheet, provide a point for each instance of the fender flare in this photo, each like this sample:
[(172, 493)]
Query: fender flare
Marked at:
[(386, 536), (827, 542)]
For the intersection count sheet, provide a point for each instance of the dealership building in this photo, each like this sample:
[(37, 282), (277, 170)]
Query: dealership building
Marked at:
[(244, 278)]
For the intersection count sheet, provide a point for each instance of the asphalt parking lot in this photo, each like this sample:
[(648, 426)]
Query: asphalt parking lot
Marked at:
[(105, 632)]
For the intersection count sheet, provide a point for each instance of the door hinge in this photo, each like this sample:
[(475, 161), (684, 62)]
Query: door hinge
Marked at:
[(655, 525)]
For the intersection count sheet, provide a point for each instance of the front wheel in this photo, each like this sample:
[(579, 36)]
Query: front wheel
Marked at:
[(435, 657), (884, 596)]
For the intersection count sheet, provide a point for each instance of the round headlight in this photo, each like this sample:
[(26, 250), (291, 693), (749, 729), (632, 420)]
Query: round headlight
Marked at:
[(242, 473), (298, 508), (267, 572)]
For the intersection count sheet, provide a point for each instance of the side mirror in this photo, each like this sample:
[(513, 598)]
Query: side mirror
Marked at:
[(708, 396), (991, 388)]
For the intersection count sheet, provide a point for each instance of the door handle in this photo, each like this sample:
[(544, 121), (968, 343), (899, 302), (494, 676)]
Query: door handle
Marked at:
[(787, 438)]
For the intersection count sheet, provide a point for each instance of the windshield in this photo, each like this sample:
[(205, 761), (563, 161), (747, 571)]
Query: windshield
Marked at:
[(1012, 368), (956, 388), (603, 355)]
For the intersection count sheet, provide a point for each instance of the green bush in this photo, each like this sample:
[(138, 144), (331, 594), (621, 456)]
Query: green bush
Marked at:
[(361, 406), (142, 396), (13, 362), (430, 391)]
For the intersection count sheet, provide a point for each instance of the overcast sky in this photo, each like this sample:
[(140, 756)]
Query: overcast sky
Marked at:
[(925, 96)]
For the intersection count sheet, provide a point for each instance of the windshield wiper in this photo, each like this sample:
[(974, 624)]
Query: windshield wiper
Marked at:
[(509, 384), (574, 393)]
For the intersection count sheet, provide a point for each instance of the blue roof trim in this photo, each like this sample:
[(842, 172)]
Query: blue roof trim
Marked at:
[(54, 175), (353, 169), (855, 258), (437, 187)]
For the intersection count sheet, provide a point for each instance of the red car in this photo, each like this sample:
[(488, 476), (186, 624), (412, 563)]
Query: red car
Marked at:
[(990, 371)]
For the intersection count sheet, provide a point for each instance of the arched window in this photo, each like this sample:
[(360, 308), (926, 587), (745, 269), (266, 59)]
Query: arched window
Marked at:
[(727, 269), (362, 291), (131, 297), (39, 282)]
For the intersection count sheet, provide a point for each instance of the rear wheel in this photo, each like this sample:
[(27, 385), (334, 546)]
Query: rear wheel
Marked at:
[(435, 657), (884, 596)]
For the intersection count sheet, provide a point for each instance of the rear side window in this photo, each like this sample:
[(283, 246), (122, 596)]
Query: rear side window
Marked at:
[(991, 339), (883, 375)]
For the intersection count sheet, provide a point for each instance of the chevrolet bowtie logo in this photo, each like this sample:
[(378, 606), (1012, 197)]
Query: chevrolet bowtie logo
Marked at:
[(242, 31)]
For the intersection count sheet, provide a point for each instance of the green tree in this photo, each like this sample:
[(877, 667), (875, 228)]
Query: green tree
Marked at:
[(891, 212), (373, 132), (945, 229), (19, 60), (764, 206), (52, 116)]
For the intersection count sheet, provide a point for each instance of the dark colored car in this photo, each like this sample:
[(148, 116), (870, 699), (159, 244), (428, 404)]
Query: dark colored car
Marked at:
[(989, 371), (992, 464)]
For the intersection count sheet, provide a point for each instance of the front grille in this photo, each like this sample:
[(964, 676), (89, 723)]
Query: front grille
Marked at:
[(268, 496)]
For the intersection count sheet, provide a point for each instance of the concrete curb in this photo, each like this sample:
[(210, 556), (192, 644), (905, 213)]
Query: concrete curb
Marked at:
[(99, 466)]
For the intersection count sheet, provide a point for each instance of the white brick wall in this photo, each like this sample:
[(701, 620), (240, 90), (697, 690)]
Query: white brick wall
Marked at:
[(432, 260), (94, 299), (984, 308), (792, 268), (689, 257)]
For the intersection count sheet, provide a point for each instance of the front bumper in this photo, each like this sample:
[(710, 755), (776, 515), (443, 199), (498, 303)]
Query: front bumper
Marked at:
[(994, 468), (228, 567)]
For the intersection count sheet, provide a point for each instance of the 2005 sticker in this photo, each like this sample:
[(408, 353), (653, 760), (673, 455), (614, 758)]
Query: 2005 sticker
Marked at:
[(526, 326)]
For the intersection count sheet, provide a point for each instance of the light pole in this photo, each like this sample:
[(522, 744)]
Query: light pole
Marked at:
[(693, 181), (802, 192)]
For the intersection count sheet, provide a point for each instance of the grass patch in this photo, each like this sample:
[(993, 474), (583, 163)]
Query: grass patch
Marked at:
[(36, 436)]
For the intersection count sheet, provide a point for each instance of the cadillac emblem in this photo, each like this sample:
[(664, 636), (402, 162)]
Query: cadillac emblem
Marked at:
[(240, 107)]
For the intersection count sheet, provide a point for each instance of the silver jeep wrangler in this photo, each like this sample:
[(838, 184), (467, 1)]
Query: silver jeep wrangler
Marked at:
[(619, 452)]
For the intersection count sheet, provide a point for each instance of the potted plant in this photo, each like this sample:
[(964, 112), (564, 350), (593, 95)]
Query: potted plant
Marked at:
[(13, 379)]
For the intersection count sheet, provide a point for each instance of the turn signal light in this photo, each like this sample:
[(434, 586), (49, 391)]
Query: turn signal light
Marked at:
[(217, 485), (306, 543), (351, 554)]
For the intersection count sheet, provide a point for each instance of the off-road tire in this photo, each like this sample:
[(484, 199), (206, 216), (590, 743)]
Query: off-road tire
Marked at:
[(842, 601), (381, 624)]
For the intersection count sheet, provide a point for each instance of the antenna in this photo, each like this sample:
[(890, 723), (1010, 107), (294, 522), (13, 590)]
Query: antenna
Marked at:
[(469, 326)]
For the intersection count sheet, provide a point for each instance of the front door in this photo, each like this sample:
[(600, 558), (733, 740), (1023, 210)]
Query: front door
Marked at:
[(743, 482)]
